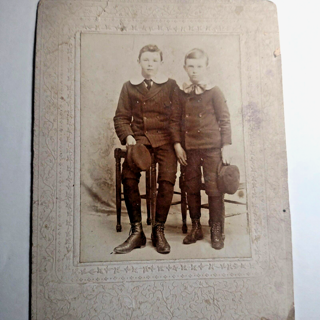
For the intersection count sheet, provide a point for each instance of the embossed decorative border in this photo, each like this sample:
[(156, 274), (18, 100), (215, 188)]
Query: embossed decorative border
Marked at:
[(249, 288)]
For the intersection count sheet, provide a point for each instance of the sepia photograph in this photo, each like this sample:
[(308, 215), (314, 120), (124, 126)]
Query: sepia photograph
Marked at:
[(160, 175), (161, 120)]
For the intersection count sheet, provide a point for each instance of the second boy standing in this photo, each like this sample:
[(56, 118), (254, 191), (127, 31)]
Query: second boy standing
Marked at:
[(201, 133)]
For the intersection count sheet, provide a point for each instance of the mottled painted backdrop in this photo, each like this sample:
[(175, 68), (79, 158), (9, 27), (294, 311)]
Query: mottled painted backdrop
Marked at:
[(107, 61)]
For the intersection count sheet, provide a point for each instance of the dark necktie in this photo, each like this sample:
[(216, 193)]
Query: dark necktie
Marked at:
[(148, 83)]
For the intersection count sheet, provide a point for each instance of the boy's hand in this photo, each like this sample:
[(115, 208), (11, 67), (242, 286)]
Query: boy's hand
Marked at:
[(130, 141), (181, 154), (226, 154)]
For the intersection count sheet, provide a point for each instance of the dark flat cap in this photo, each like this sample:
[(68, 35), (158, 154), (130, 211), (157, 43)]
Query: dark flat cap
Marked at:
[(138, 157), (228, 178)]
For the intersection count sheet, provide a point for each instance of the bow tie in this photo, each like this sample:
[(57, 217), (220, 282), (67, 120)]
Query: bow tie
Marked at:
[(196, 88)]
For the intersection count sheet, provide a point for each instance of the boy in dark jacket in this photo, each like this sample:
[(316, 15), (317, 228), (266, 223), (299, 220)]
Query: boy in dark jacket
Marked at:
[(201, 132), (142, 116)]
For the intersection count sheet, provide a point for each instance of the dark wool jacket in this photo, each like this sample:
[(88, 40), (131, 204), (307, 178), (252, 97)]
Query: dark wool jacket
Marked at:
[(145, 114), (200, 121)]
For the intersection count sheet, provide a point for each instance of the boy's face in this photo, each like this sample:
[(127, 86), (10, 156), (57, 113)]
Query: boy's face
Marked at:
[(150, 63), (196, 69)]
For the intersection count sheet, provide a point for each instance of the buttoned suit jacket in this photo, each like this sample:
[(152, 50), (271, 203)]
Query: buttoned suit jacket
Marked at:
[(200, 121), (145, 114)]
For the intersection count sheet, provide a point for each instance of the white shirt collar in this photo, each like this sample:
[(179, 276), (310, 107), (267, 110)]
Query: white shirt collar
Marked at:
[(159, 78), (206, 84)]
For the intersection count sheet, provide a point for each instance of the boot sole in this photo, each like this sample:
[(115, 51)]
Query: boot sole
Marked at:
[(199, 238), (127, 251), (143, 244), (218, 247)]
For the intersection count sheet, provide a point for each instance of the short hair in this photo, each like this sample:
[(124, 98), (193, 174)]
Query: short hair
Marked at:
[(150, 48), (196, 54)]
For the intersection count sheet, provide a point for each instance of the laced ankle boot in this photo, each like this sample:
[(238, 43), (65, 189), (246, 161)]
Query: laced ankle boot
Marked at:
[(158, 239), (217, 237), (136, 239), (195, 233)]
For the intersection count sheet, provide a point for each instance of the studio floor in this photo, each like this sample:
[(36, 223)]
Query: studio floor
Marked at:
[(99, 237)]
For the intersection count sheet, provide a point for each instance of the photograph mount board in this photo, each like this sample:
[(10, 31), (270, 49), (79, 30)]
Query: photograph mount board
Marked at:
[(257, 285)]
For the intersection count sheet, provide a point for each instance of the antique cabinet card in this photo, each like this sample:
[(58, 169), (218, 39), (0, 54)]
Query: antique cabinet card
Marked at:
[(85, 52)]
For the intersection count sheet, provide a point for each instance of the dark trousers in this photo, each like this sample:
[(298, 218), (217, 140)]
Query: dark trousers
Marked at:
[(166, 159), (209, 160), (216, 207)]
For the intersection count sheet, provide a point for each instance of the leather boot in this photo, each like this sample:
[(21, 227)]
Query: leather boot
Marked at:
[(158, 239), (217, 218), (217, 237), (136, 239), (195, 233), (164, 199), (132, 199)]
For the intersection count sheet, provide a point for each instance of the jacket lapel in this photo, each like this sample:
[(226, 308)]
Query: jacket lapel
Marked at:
[(142, 89), (147, 94), (155, 88)]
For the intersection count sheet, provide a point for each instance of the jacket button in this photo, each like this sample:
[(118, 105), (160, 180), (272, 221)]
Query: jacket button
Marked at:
[(145, 118), (187, 116), (200, 115), (159, 131), (199, 131), (186, 131), (146, 132), (137, 101)]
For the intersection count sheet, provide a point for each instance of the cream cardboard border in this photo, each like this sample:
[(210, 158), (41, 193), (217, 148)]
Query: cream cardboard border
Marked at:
[(63, 288)]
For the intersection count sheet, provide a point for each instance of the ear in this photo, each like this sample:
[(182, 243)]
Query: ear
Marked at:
[(185, 68)]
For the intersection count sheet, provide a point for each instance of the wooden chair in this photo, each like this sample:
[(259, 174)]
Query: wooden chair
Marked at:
[(151, 191)]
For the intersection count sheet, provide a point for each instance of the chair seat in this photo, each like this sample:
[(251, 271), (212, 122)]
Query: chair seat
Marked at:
[(151, 192)]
